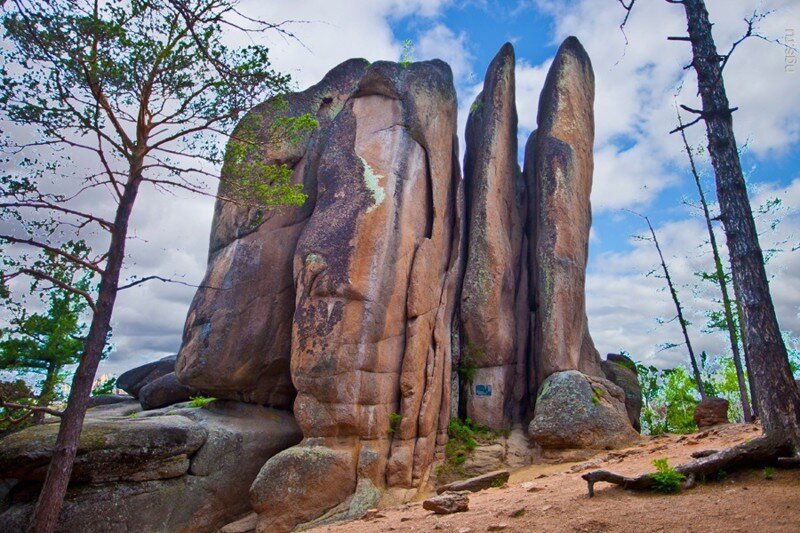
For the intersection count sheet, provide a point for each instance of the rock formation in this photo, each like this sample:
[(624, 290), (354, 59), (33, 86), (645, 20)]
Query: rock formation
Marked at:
[(175, 469), (621, 371), (711, 412), (397, 297), (574, 410), (494, 330), (376, 279), (237, 338), (558, 171)]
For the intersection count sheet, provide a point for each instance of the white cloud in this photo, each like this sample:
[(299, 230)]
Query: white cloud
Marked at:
[(623, 303), (332, 32), (440, 42)]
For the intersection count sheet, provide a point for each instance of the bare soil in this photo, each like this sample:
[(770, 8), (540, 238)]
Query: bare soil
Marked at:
[(554, 497)]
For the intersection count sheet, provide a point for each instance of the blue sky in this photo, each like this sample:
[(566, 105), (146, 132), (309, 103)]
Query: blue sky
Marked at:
[(638, 165)]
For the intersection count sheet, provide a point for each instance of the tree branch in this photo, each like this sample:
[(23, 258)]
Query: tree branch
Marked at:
[(167, 280), (31, 408)]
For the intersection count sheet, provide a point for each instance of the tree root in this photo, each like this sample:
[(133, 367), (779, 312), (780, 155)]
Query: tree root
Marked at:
[(763, 450)]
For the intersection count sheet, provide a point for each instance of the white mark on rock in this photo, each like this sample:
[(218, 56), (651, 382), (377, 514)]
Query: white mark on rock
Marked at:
[(371, 181)]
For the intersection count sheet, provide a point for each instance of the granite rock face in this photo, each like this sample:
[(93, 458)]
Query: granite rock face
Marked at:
[(558, 170), (621, 371), (237, 341), (176, 469), (578, 411), (494, 329), (399, 296), (164, 391), (135, 379), (376, 283)]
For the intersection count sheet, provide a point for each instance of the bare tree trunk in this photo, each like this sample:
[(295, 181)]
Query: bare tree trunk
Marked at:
[(777, 394), (679, 308), (746, 350), (723, 286), (51, 498), (46, 395)]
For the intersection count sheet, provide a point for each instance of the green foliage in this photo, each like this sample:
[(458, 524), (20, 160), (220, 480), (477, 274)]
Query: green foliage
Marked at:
[(496, 483), (461, 442), (722, 475), (200, 401), (468, 366), (666, 479), (669, 398), (41, 344), (464, 437), (248, 179), (106, 387), (407, 53), (769, 473), (18, 392), (597, 393), (394, 422)]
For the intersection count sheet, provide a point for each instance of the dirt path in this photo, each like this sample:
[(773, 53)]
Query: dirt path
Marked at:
[(544, 498)]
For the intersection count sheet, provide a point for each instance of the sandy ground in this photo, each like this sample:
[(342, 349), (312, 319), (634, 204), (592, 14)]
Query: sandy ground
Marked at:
[(554, 498)]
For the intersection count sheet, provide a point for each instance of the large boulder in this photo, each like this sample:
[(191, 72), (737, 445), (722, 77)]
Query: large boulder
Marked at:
[(237, 341), (164, 391), (326, 478), (621, 371), (134, 449), (134, 379), (494, 328), (711, 412), (574, 410), (558, 171), (376, 270), (126, 478)]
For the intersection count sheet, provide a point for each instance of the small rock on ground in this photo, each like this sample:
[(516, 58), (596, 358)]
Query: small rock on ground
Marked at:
[(448, 503)]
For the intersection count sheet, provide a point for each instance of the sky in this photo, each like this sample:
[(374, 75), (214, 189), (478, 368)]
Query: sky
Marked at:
[(639, 166)]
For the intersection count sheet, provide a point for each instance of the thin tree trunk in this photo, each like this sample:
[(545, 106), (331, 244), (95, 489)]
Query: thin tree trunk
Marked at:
[(51, 498), (674, 293), (777, 394), (48, 387), (723, 286), (746, 350)]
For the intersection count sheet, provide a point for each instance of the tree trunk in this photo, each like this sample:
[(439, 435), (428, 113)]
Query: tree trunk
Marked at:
[(51, 499), (777, 395), (723, 287), (679, 308), (48, 387), (746, 350)]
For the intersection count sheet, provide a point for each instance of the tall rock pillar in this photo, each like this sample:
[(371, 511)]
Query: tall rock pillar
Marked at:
[(494, 330)]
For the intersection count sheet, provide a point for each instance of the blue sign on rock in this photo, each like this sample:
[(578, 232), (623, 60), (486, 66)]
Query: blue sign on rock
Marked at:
[(483, 390)]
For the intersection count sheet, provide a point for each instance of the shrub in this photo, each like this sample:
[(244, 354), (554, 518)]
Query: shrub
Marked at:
[(666, 479), (464, 437), (769, 472), (394, 422), (200, 401)]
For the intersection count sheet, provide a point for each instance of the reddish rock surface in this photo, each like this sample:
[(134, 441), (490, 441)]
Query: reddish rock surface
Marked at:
[(376, 282), (558, 170), (236, 341), (711, 412), (494, 332)]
